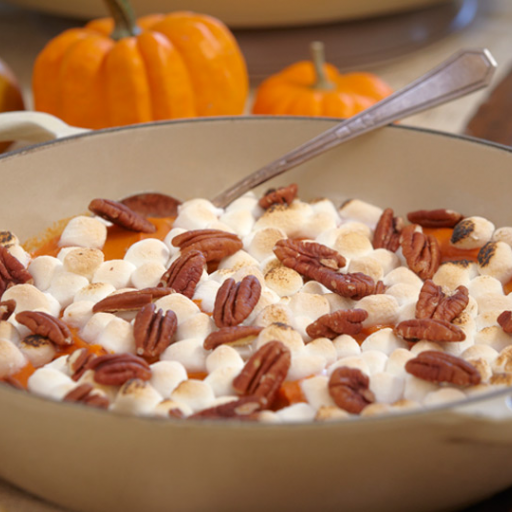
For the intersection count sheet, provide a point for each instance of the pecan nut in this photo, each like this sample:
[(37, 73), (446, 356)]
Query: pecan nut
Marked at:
[(235, 336), (281, 195), (422, 252), (153, 330), (440, 218), (78, 362), (235, 301), (11, 271), (505, 321), (7, 308), (130, 301), (213, 243), (387, 232), (184, 274), (47, 326), (430, 330), (85, 394), (121, 215), (436, 366), (343, 321), (354, 285), (264, 373), (152, 204), (433, 303), (117, 369), (348, 388), (244, 409)]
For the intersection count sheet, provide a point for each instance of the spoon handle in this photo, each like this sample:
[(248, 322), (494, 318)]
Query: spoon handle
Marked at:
[(462, 73)]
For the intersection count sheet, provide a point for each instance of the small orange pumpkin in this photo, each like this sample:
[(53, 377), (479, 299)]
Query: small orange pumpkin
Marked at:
[(10, 95), (318, 89), (116, 71)]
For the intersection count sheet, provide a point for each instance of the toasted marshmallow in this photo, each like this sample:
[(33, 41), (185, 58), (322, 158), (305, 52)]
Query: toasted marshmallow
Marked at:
[(407, 312), (238, 260), (8, 239), (309, 304), (382, 309), (367, 265), (482, 286), (395, 364), (78, 313), (206, 292), (84, 231), (166, 375), (353, 245), (423, 345), (316, 223), (169, 238), (261, 245), (305, 364), (117, 337), (259, 316), (325, 205), (248, 202), (316, 288), (322, 347), (487, 318), (388, 260), (195, 326), (240, 221), (350, 362), (190, 353), (296, 413), (249, 270), (472, 232), (385, 341), (376, 409), (417, 389), (290, 219), (9, 332), (166, 408), (455, 273), (196, 394), (29, 298), (503, 363), (403, 293), (483, 352), (336, 301), (503, 235), (346, 346), (50, 383), (331, 413), (183, 307), (94, 292), (136, 397), (283, 333), (284, 281), (95, 326), (402, 275), (387, 387), (221, 380), (223, 356), (115, 272), (83, 261), (196, 214), (493, 302), (353, 226), (147, 250), (65, 285), (405, 405), (375, 360), (360, 211), (316, 391), (495, 259), (443, 396), (272, 314), (37, 349), (483, 368), (11, 358), (43, 269)]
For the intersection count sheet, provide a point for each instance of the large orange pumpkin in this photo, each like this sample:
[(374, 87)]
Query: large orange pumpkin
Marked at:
[(116, 71)]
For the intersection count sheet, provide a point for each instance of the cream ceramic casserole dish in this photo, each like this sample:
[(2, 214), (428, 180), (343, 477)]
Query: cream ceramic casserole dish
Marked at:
[(89, 460)]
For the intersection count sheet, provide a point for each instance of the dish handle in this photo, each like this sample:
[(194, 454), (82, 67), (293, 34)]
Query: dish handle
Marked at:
[(34, 127)]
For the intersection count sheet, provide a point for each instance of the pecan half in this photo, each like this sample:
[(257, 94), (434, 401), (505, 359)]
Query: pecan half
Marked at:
[(348, 388), (421, 252), (121, 215), (85, 394), (430, 330), (440, 218), (343, 321), (433, 303), (244, 408), (387, 232), (436, 366), (380, 288), (11, 271), (213, 243), (184, 274), (116, 369), (7, 308), (302, 256), (505, 321), (353, 286), (281, 195), (130, 301), (78, 362), (235, 336), (47, 326), (235, 301), (153, 330), (264, 372)]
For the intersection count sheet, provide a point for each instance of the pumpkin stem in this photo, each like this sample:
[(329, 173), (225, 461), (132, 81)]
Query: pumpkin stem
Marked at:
[(318, 57), (124, 19)]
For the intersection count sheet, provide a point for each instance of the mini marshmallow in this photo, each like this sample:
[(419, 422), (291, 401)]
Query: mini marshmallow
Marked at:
[(325, 205), (417, 389), (174, 232), (501, 379), (258, 315), (199, 325), (84, 231), (367, 265), (268, 417), (78, 313), (494, 301), (221, 275), (65, 285), (402, 275), (375, 360), (487, 318), (443, 396), (350, 362), (136, 397), (219, 226), (206, 292), (423, 345), (88, 378), (147, 250), (290, 219), (296, 413), (221, 380), (484, 352), (61, 255), (238, 260), (317, 223), (316, 288), (503, 235), (249, 270), (190, 353), (83, 261), (403, 293), (261, 245), (11, 358), (388, 260), (322, 347), (182, 306), (353, 245), (43, 269), (361, 211), (405, 405), (272, 314), (37, 349), (495, 259), (376, 409), (8, 239), (196, 394), (29, 298), (240, 221), (452, 274), (385, 341), (483, 368), (49, 382), (387, 387), (284, 281), (346, 346), (95, 326), (166, 375), (352, 226), (164, 408), (196, 214), (337, 302), (283, 333), (503, 363), (397, 360), (9, 332), (60, 364), (309, 304), (329, 237), (147, 275), (494, 336), (223, 356), (94, 292), (382, 309), (331, 413), (117, 337), (248, 202), (115, 272), (20, 254), (305, 364), (472, 232), (472, 307), (482, 286), (316, 391)]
